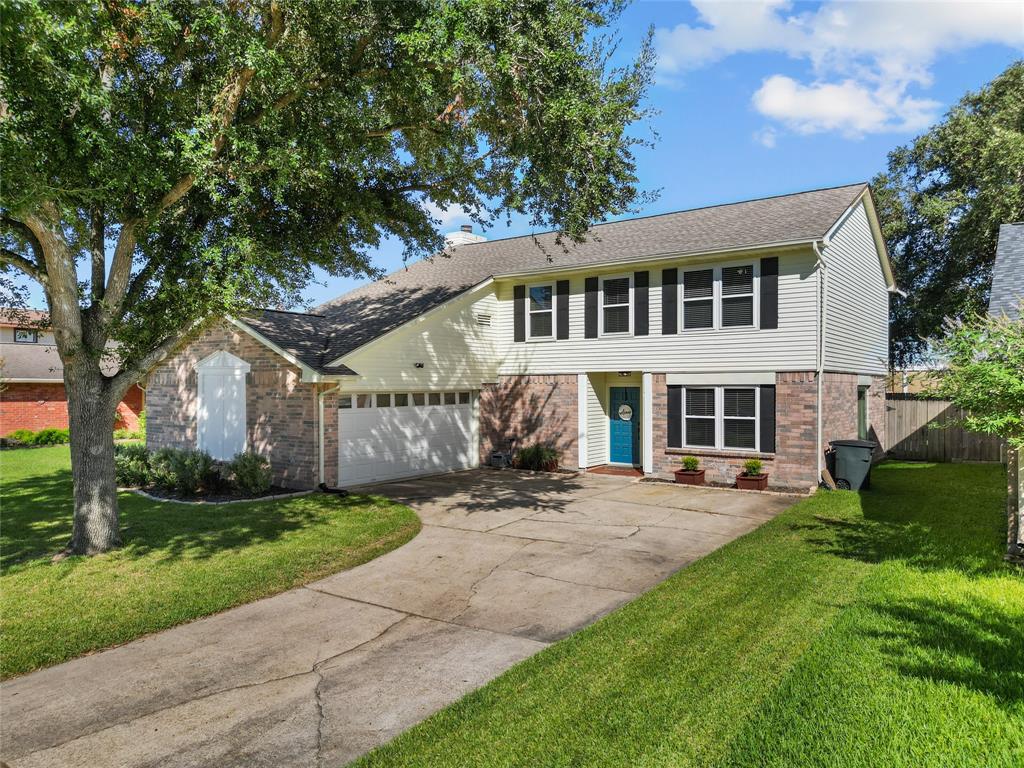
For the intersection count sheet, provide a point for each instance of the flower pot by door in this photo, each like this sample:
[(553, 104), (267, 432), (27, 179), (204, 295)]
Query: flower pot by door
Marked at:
[(690, 477), (752, 482)]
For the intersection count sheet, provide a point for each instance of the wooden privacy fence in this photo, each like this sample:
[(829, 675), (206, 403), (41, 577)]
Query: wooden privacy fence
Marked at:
[(917, 430)]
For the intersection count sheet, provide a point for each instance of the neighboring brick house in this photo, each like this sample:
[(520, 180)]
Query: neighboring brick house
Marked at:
[(756, 329), (32, 378)]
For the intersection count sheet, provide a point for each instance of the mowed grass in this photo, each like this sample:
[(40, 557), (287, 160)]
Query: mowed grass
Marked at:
[(881, 629), (178, 562)]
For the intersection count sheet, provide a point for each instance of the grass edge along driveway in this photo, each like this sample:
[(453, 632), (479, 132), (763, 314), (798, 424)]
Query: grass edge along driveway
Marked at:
[(178, 563), (882, 629)]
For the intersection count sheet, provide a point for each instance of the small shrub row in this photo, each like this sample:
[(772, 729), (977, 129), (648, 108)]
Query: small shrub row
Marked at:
[(190, 472), (538, 457), (26, 437)]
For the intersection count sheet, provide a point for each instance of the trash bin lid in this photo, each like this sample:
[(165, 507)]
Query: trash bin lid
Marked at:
[(854, 443)]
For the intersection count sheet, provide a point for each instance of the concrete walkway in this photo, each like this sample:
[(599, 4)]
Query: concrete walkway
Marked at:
[(506, 563)]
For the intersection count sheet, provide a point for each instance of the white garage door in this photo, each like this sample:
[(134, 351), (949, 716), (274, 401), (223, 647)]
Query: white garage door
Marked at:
[(392, 435)]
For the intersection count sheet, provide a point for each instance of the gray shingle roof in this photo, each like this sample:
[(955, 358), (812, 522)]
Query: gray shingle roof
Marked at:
[(1008, 271), (39, 362), (346, 323)]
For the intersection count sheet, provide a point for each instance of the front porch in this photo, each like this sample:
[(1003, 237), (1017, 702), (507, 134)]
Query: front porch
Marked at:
[(615, 424)]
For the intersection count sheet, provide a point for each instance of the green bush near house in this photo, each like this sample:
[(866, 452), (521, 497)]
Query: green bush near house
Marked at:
[(250, 473), (752, 467), (22, 436), (131, 465), (538, 457), (177, 562), (691, 463)]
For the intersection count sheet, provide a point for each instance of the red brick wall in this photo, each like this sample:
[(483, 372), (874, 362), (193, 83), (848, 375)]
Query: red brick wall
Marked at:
[(281, 411), (32, 406), (531, 409), (42, 406)]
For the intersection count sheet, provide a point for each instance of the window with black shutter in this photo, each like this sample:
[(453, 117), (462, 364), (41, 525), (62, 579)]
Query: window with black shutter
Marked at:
[(699, 299), (541, 310), (615, 305), (739, 418), (699, 424), (738, 296)]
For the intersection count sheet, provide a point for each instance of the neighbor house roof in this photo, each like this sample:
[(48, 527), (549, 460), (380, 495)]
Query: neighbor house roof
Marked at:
[(360, 316), (23, 318), (1008, 271), (30, 362)]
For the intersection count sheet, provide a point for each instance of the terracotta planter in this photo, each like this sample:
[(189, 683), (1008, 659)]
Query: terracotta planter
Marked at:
[(690, 476), (752, 482)]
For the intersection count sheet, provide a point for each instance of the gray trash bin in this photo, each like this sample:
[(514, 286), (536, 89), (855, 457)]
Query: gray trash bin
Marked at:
[(852, 461)]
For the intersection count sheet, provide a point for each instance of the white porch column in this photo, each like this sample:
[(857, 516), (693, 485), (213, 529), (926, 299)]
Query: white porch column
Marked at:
[(582, 384), (647, 423)]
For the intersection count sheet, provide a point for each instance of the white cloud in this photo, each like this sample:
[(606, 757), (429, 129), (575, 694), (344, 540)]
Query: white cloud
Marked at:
[(864, 57), (447, 216), (766, 137)]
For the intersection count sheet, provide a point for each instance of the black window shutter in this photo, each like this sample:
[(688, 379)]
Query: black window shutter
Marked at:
[(770, 292), (675, 417), (562, 309), (669, 292), (519, 313), (767, 418), (590, 309), (641, 308)]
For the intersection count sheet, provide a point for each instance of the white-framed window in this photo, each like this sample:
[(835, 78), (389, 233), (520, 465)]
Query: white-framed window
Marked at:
[(540, 306), (26, 336), (364, 401), (401, 399), (384, 400), (739, 418), (719, 297), (723, 418), (419, 398), (449, 398), (433, 398), (616, 297), (345, 401), (464, 398), (698, 299), (737, 296)]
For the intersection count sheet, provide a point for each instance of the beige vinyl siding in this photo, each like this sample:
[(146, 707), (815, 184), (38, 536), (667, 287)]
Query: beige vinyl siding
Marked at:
[(456, 352), (792, 346), (857, 300), (597, 420)]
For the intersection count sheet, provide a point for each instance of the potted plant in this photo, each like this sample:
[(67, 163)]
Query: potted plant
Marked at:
[(752, 478), (691, 473)]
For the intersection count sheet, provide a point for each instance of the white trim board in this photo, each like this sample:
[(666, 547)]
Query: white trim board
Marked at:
[(723, 379)]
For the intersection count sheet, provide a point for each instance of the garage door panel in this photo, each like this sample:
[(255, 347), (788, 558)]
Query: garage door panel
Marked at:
[(387, 443)]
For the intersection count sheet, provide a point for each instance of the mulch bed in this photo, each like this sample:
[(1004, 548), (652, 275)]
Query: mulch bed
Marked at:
[(221, 497)]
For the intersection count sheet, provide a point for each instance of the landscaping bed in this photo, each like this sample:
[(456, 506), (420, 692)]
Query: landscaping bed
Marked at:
[(177, 562)]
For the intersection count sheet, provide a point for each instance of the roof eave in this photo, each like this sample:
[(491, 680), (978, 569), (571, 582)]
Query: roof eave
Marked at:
[(309, 375)]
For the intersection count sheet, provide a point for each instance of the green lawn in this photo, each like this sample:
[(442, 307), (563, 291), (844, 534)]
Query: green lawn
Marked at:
[(874, 630), (178, 562)]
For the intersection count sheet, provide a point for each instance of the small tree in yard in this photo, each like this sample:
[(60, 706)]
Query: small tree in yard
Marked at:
[(985, 377), (170, 162)]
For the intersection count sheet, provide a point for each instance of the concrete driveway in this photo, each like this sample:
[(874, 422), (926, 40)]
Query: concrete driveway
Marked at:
[(506, 563)]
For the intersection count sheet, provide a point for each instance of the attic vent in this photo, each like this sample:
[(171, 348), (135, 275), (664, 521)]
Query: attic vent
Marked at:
[(483, 319)]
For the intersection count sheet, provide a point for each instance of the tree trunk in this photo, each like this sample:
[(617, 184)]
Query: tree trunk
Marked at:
[(91, 417)]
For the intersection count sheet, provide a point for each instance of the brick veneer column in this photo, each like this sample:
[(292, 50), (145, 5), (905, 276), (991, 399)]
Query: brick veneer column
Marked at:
[(531, 409), (281, 415)]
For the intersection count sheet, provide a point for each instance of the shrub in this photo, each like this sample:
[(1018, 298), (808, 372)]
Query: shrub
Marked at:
[(161, 471), (131, 465), (752, 467), (250, 473), (691, 463), (192, 471), (127, 434), (537, 457), (50, 436), (142, 423), (22, 436)]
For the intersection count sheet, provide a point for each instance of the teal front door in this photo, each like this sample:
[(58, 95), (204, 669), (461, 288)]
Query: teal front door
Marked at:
[(624, 425)]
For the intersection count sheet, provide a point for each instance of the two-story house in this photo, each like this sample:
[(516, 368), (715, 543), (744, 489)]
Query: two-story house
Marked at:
[(756, 329)]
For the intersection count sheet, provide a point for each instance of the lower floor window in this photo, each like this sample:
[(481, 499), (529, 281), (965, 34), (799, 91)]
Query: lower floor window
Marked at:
[(720, 417)]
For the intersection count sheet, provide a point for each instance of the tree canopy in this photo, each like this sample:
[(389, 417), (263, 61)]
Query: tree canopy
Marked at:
[(941, 203), (198, 158)]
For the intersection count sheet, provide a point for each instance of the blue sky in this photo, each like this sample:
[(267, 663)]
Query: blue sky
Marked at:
[(765, 98)]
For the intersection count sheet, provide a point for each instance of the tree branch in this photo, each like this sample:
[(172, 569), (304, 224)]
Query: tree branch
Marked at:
[(29, 237), (7, 256), (131, 374), (97, 248)]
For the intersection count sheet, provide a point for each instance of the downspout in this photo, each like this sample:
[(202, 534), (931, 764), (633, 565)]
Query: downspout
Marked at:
[(820, 372), (320, 421)]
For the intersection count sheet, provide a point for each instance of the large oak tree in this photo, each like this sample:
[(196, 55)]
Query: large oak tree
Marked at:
[(173, 161), (941, 203)]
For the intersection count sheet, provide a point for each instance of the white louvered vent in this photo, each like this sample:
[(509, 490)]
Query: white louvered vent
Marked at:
[(483, 319)]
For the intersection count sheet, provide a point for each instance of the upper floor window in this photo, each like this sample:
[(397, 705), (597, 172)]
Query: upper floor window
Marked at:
[(542, 311), (737, 296), (615, 311), (699, 298), (26, 336), (719, 297)]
